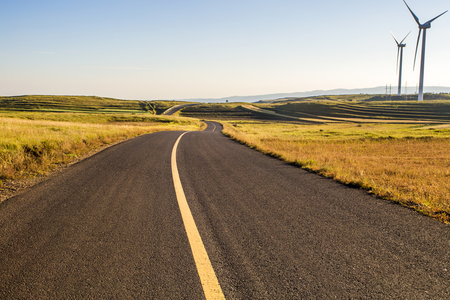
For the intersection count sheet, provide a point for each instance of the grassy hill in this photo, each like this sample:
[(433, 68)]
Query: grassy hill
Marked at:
[(83, 104), (224, 111), (359, 108), (362, 97), (323, 109)]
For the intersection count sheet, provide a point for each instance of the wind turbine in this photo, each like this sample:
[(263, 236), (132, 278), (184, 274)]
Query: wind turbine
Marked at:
[(423, 27), (400, 47)]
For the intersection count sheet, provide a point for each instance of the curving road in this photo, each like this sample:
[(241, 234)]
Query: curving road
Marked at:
[(177, 108), (111, 227)]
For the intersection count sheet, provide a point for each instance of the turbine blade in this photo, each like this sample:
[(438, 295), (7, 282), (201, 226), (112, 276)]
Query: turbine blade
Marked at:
[(405, 38), (394, 38), (415, 17), (436, 17), (417, 45)]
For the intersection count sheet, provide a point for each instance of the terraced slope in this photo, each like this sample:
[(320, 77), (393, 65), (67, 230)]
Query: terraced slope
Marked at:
[(225, 111), (83, 104), (430, 111)]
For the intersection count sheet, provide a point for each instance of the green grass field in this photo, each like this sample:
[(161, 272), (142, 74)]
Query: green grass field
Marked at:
[(92, 117), (42, 103), (360, 111), (327, 109), (225, 111), (217, 111), (362, 97)]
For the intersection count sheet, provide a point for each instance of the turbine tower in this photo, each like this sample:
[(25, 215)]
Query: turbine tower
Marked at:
[(400, 47), (423, 27)]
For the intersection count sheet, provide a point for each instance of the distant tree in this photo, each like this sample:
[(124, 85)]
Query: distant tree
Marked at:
[(143, 106), (152, 107)]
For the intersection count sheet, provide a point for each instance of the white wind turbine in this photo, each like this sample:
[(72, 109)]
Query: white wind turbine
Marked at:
[(400, 47), (423, 27)]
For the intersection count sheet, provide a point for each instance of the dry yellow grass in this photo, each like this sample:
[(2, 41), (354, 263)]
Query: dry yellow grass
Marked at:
[(403, 163), (32, 147)]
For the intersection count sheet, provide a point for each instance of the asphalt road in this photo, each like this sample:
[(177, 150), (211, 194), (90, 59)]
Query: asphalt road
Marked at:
[(177, 108), (110, 227)]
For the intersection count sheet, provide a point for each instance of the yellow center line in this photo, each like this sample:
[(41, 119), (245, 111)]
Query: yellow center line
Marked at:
[(205, 270)]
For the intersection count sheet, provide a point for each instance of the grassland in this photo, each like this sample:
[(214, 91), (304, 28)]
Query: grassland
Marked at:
[(409, 164), (34, 143), (325, 110), (362, 98), (224, 111), (38, 133), (398, 150), (43, 103)]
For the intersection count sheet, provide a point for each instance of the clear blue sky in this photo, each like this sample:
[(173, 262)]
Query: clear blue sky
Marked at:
[(171, 49)]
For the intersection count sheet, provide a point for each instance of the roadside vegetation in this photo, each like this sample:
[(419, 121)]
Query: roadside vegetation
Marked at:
[(398, 150), (34, 143), (408, 164)]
